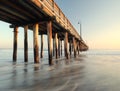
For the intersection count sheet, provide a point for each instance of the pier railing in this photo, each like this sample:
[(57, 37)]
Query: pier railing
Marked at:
[(52, 9)]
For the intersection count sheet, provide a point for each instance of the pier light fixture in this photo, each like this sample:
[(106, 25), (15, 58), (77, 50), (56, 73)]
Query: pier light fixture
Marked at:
[(80, 29)]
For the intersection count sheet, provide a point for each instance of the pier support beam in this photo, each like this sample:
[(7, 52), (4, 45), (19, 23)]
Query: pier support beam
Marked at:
[(50, 49), (26, 43), (70, 48), (78, 47), (61, 47), (36, 45), (74, 45), (66, 45), (56, 44), (15, 44), (41, 54)]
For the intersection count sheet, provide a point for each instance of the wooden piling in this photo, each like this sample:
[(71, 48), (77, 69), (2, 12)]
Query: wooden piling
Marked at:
[(70, 47), (66, 45), (41, 54), (61, 47), (35, 40), (53, 46), (78, 47), (15, 44), (56, 45), (49, 33), (74, 45), (26, 43)]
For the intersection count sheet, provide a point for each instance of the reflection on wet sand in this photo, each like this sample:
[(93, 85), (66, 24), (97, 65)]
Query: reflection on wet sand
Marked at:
[(91, 73)]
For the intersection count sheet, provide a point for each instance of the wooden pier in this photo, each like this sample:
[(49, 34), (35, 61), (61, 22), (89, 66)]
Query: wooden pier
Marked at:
[(43, 17)]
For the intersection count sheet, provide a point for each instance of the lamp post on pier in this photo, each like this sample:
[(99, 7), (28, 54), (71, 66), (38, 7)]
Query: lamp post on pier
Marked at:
[(80, 29), (80, 36)]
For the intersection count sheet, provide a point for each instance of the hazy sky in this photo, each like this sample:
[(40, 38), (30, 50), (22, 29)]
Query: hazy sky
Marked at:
[(100, 23)]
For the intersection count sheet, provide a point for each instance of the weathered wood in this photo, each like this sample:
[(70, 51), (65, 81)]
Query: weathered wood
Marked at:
[(22, 12), (38, 11), (70, 47), (60, 17), (26, 43), (41, 54), (66, 45), (36, 45), (56, 44), (61, 47), (53, 46), (78, 47), (15, 44), (49, 33), (74, 45)]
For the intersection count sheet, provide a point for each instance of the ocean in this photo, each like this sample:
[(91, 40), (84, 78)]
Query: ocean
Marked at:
[(93, 70)]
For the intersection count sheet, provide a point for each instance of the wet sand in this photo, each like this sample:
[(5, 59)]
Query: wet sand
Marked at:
[(85, 73)]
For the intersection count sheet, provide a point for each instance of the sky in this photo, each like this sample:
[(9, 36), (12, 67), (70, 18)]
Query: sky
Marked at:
[(100, 21)]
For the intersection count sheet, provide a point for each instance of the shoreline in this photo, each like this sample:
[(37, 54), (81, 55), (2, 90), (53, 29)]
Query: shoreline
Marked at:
[(84, 73)]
